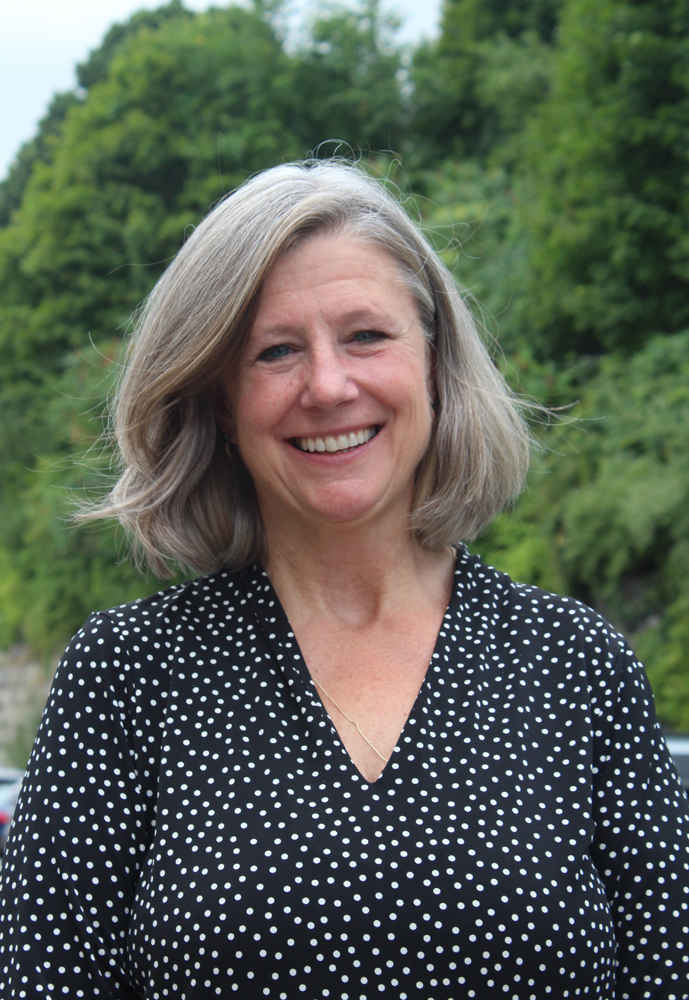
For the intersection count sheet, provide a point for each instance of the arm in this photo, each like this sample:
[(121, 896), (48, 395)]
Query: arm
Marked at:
[(641, 846), (84, 820)]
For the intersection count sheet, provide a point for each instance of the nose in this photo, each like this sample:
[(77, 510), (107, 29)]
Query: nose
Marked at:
[(328, 382)]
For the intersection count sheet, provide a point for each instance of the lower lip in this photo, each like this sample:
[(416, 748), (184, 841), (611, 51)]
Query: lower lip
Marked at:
[(338, 457)]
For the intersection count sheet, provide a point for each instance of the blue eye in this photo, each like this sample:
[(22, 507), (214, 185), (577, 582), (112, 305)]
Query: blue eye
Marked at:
[(275, 353), (367, 336)]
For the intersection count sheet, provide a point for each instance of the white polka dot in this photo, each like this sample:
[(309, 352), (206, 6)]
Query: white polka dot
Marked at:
[(190, 821)]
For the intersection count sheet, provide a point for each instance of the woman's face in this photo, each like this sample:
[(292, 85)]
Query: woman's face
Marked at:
[(330, 405)]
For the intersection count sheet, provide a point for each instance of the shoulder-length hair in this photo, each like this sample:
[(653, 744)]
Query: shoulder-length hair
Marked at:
[(178, 494)]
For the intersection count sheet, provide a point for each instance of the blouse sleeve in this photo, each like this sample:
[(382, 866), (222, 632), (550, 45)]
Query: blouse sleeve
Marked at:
[(641, 846), (84, 820)]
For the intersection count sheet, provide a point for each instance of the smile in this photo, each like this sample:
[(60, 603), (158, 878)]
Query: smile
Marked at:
[(343, 442)]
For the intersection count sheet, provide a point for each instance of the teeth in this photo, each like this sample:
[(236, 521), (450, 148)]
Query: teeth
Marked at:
[(341, 443)]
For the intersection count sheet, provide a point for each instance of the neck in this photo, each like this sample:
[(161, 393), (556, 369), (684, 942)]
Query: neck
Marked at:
[(355, 575)]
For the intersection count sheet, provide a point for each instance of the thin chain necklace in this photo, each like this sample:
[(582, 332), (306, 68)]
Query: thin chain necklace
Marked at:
[(347, 717)]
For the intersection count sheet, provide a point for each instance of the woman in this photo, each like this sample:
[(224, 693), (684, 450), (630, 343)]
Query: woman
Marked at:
[(353, 760)]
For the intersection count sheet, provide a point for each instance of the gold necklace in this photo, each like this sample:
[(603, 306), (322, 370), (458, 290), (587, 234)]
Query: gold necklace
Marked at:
[(358, 727)]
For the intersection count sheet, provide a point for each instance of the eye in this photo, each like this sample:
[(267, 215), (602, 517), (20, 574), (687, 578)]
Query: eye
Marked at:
[(275, 353), (368, 336)]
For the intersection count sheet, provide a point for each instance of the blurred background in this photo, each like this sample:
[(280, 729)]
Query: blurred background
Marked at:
[(542, 142)]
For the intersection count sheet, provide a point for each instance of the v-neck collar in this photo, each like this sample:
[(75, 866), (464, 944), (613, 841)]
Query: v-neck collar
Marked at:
[(283, 643)]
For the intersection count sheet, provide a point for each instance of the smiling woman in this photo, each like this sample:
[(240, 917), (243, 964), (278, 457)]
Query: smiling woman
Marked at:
[(336, 355), (354, 759), (178, 494)]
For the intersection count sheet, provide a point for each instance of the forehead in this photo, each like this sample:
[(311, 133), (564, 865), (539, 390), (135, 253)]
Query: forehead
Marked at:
[(333, 270)]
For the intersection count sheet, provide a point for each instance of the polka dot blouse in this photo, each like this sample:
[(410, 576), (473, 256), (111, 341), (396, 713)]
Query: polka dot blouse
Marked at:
[(192, 827)]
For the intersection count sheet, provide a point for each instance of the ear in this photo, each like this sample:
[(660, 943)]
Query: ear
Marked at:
[(222, 412)]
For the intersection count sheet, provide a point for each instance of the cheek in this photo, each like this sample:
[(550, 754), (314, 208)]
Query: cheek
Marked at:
[(420, 366), (260, 405), (424, 383)]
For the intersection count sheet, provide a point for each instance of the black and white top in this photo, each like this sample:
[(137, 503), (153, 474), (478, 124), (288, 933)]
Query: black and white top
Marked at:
[(192, 827)]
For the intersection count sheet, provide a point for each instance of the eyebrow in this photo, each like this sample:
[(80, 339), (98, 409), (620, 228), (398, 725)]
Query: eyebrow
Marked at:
[(368, 316)]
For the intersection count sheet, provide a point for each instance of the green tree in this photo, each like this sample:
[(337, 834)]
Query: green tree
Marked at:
[(182, 112), (40, 147), (347, 79), (186, 111), (97, 66), (549, 138), (471, 218), (608, 210), (475, 86), (606, 515), (37, 149), (176, 109)]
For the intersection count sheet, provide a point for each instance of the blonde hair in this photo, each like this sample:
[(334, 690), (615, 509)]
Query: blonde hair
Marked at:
[(178, 494)]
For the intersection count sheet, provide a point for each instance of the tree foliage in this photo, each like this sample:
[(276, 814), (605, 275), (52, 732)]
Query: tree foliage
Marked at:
[(547, 140), (350, 61), (476, 85), (179, 109), (95, 68), (607, 157), (606, 515)]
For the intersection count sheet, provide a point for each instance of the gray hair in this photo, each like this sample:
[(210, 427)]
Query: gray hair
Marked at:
[(178, 494)]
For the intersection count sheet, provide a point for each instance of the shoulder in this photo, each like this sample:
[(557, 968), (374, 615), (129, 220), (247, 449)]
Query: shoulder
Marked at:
[(218, 592), (169, 613), (559, 651), (127, 644), (538, 623)]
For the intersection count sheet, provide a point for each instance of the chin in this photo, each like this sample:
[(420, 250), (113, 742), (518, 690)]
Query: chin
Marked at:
[(347, 508)]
